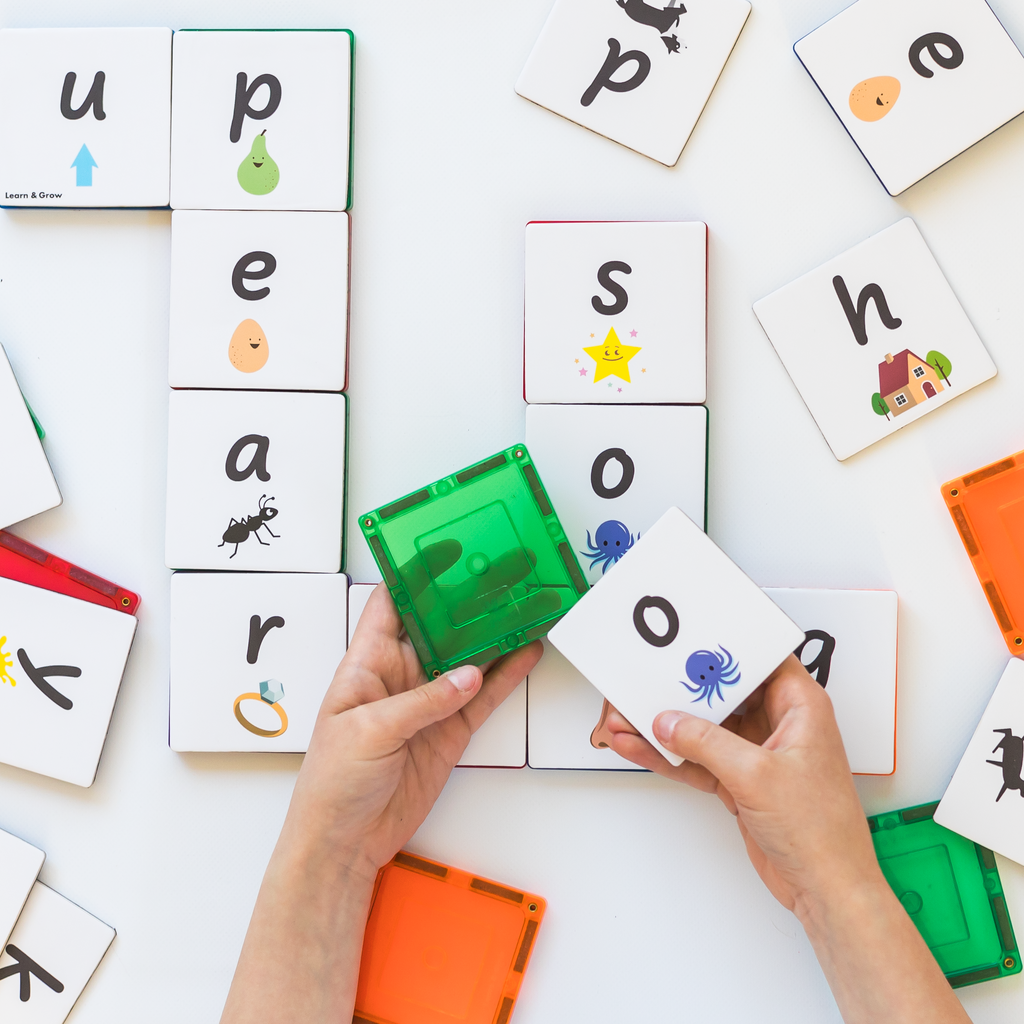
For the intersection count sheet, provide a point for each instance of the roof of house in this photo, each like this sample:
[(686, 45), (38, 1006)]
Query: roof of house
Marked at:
[(893, 376)]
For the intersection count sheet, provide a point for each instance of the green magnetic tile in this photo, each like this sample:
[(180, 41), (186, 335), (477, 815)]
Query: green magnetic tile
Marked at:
[(477, 563), (951, 889)]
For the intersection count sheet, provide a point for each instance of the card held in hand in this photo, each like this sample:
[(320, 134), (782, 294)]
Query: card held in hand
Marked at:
[(675, 625)]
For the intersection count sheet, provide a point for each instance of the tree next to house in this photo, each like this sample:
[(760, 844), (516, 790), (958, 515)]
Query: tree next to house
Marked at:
[(941, 364), (879, 406)]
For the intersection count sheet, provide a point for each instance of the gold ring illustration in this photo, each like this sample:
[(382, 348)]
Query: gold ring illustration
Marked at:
[(271, 692)]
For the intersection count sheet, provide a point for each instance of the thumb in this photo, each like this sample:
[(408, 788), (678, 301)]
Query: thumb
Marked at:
[(405, 714), (727, 756)]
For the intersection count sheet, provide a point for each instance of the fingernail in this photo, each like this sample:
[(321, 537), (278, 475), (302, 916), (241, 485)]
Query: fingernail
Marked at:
[(463, 677), (665, 724)]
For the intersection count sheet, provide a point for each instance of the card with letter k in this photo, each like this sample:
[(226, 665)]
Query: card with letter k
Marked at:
[(675, 625), (61, 663)]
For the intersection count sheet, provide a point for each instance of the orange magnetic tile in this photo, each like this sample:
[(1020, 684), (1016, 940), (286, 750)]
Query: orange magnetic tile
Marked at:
[(443, 946), (987, 507)]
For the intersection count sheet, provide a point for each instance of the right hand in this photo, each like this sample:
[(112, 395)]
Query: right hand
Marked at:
[(781, 769)]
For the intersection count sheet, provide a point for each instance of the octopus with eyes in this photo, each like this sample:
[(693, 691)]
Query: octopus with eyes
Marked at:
[(612, 540), (709, 671)]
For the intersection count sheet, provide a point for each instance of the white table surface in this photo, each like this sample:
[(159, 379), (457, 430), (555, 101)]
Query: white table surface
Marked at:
[(654, 912)]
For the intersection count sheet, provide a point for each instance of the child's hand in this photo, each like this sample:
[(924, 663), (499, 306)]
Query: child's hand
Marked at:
[(781, 769), (386, 740)]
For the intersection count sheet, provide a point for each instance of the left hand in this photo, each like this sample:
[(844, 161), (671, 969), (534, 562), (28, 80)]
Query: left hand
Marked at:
[(386, 740)]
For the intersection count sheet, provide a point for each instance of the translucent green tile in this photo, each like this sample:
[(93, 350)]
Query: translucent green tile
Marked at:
[(951, 889), (477, 563)]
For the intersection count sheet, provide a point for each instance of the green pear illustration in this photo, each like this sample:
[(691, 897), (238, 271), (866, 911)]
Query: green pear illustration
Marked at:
[(257, 173)]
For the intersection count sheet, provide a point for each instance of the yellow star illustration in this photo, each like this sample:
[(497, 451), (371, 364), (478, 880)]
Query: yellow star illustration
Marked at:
[(612, 357)]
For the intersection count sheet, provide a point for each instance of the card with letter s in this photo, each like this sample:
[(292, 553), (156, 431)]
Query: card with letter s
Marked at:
[(675, 625)]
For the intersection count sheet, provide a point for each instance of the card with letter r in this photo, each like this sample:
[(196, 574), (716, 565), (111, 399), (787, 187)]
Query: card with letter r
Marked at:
[(21, 863), (874, 339), (985, 798), (638, 73), (61, 663), (50, 958), (616, 312), (676, 625), (915, 82), (252, 655)]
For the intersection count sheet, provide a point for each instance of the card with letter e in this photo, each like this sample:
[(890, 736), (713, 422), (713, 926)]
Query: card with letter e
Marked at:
[(61, 663), (87, 115), (874, 339), (252, 655), (21, 862), (255, 481), (30, 487), (635, 72), (616, 312), (261, 120), (676, 625), (850, 651), (259, 300), (985, 798), (50, 958), (915, 82), (611, 471)]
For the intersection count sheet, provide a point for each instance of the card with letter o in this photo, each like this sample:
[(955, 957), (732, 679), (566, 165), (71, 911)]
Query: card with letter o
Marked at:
[(675, 625)]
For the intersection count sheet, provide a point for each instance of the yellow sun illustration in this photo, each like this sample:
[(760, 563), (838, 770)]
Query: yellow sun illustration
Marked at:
[(612, 357), (6, 661)]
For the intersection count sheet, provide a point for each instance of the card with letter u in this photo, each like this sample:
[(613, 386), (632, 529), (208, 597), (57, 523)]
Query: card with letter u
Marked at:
[(61, 663), (675, 625), (874, 339), (985, 798)]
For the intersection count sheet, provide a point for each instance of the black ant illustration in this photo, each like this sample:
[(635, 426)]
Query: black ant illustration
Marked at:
[(661, 19), (1012, 762), (239, 529)]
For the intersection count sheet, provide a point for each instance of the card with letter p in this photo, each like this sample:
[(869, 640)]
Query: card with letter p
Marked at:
[(675, 625)]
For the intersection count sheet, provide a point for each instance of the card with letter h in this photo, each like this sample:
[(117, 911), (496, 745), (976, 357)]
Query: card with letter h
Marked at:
[(676, 625), (874, 339), (255, 480)]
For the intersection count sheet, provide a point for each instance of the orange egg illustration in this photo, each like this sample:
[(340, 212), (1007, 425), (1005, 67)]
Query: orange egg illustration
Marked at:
[(873, 98), (248, 349)]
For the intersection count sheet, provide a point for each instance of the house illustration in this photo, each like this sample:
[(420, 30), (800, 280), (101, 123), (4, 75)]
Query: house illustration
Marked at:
[(906, 380)]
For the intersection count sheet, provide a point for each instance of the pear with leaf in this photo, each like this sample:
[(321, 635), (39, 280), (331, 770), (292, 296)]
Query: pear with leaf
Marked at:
[(257, 173)]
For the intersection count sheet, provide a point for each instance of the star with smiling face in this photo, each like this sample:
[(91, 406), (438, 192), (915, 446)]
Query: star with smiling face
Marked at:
[(612, 358)]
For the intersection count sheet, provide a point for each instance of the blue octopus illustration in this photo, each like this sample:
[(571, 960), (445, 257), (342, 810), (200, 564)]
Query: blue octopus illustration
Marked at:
[(709, 672), (611, 541)]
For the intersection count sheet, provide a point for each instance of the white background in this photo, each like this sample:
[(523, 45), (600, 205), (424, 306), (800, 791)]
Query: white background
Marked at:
[(654, 909)]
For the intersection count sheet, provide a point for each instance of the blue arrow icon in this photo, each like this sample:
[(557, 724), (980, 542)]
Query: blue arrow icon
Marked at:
[(83, 165)]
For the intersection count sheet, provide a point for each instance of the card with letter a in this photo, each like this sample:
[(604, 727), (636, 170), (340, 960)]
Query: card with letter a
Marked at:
[(874, 339), (985, 798), (61, 663), (675, 625)]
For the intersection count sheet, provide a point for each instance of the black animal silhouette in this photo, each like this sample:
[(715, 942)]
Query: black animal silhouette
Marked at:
[(239, 529), (23, 968), (1012, 762), (659, 18)]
